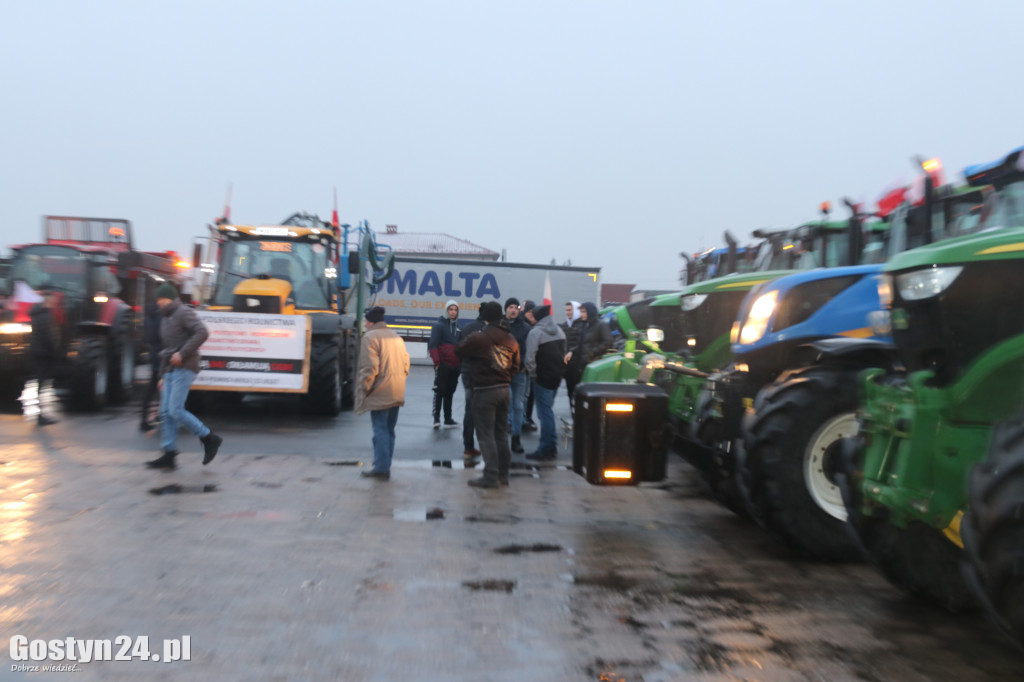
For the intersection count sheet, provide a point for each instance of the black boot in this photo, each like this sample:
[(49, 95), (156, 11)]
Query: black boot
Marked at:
[(165, 461), (211, 443), (517, 447), (43, 420)]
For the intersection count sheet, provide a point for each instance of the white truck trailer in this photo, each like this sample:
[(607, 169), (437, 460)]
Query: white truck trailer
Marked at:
[(415, 294)]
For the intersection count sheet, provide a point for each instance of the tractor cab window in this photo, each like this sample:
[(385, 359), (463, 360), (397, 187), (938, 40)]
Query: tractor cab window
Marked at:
[(1004, 208), (103, 280), (60, 267), (301, 264)]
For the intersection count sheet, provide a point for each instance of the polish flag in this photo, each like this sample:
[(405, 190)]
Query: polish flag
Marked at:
[(547, 289)]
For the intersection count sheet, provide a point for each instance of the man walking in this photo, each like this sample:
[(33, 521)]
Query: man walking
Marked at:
[(545, 353), (380, 387), (492, 358), (443, 337), (182, 333), (519, 328)]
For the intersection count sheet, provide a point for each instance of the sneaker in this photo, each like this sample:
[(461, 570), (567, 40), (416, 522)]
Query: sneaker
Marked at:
[(43, 420), (146, 426), (517, 447), (211, 443), (471, 452), (482, 482), (470, 462), (378, 475), (165, 462), (437, 424), (542, 456), (448, 424), (529, 425)]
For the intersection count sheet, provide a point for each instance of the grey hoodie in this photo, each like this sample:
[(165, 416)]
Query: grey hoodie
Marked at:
[(545, 353)]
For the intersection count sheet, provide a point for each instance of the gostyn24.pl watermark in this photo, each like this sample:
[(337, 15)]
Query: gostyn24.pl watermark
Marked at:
[(71, 651)]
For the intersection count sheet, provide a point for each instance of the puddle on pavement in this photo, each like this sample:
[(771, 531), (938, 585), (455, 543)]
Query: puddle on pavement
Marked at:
[(419, 514), (476, 518), (263, 484), (520, 549), (177, 489), (490, 585), (344, 463), (610, 581)]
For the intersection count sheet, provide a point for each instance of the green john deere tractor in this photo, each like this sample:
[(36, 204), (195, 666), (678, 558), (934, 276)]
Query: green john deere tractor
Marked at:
[(910, 493)]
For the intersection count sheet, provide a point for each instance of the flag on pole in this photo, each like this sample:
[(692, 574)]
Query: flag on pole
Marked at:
[(547, 289)]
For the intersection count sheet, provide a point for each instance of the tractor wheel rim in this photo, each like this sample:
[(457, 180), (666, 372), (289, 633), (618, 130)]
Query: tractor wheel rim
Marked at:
[(821, 463)]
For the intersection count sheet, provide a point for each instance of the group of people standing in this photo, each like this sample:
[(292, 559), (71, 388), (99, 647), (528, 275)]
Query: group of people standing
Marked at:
[(504, 357)]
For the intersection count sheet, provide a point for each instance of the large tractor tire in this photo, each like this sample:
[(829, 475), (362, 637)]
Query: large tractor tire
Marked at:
[(715, 458), (350, 360), (919, 560), (88, 372), (121, 359), (791, 457), (993, 531), (324, 395)]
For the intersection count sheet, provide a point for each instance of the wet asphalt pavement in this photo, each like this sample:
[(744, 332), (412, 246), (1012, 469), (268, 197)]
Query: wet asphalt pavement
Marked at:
[(280, 563)]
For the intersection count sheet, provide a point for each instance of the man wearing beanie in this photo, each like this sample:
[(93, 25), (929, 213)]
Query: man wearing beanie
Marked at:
[(519, 328), (545, 361), (491, 359), (182, 333), (443, 337), (380, 387)]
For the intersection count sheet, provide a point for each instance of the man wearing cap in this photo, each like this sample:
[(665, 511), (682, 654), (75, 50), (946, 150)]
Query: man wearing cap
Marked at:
[(491, 357), (380, 387), (443, 337), (470, 452), (182, 333), (545, 361)]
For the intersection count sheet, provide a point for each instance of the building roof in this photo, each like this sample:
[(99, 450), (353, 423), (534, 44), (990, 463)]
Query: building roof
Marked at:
[(432, 244)]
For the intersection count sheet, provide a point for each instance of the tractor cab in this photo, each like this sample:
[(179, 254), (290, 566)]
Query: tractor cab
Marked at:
[(85, 280)]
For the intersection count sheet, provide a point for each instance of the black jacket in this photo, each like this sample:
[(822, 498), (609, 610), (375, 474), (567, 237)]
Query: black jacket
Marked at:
[(490, 356), (520, 328), (474, 326), (595, 337)]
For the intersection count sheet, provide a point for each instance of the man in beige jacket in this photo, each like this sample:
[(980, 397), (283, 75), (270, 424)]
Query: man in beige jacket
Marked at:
[(380, 387)]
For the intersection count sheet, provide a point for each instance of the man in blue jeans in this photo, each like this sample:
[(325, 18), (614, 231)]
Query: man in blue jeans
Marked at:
[(380, 387), (521, 379), (545, 361), (182, 333)]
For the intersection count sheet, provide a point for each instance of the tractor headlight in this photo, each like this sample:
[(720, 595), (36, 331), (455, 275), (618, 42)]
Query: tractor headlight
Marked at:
[(921, 284), (885, 291), (692, 301), (15, 328), (756, 323), (655, 334)]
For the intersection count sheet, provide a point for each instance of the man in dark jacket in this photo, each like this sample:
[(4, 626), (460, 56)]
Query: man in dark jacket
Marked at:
[(443, 337), (545, 361), (595, 336), (572, 326), (491, 356), (44, 347), (182, 333), (519, 328), (528, 423), (470, 453)]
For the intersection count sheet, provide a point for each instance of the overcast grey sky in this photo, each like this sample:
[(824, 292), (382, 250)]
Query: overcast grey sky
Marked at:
[(614, 134)]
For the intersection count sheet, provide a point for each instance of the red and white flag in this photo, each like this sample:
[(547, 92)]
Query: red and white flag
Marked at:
[(547, 289)]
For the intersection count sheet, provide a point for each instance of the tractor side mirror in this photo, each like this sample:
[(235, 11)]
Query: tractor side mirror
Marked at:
[(353, 262)]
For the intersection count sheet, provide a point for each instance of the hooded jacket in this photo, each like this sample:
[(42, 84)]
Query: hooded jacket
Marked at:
[(182, 332), (595, 337), (443, 337), (383, 368), (572, 328), (491, 356), (545, 353)]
